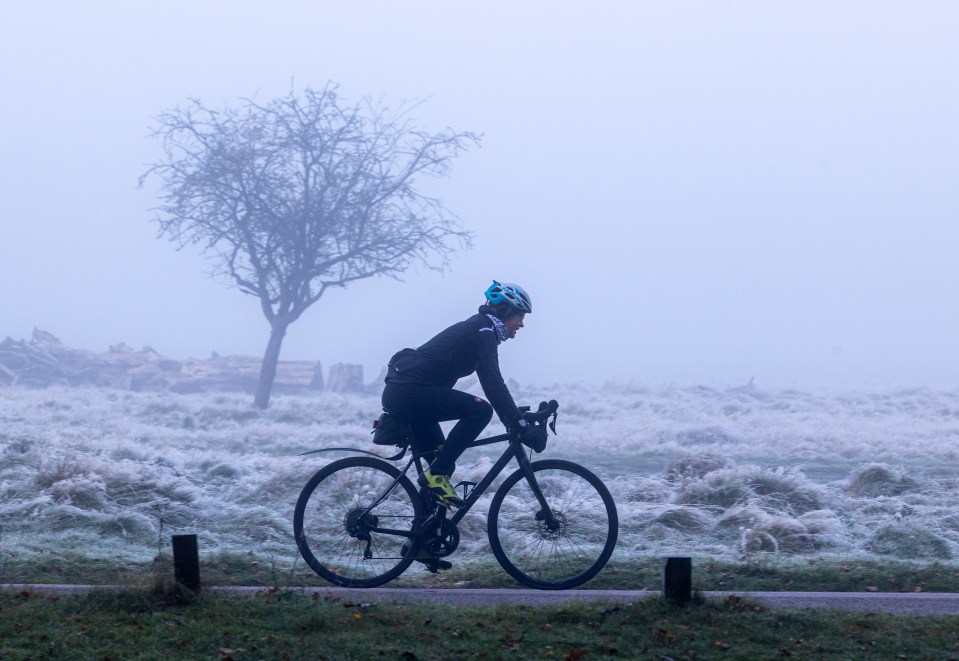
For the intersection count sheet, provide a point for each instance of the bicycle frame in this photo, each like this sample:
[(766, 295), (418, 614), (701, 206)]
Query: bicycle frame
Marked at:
[(514, 450)]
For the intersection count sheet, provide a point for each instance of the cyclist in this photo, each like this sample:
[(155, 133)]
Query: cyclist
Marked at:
[(419, 384)]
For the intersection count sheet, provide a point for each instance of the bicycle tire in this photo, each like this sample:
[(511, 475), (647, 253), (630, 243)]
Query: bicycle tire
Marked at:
[(334, 499), (579, 543)]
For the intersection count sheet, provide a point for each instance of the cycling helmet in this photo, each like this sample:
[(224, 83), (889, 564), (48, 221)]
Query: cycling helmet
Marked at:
[(513, 295)]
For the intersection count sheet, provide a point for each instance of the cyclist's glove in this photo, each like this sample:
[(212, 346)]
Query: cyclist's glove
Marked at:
[(532, 435)]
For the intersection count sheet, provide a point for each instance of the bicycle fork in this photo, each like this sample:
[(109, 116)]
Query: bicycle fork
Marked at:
[(545, 514)]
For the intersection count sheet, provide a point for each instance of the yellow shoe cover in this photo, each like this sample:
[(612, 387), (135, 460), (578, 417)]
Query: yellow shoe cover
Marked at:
[(440, 486)]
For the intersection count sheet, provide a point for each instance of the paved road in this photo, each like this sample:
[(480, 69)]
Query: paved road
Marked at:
[(911, 603), (905, 603)]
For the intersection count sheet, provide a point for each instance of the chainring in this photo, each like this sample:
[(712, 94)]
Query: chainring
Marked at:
[(445, 542)]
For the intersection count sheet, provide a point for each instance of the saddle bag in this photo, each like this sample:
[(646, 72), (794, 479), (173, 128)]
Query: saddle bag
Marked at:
[(391, 429)]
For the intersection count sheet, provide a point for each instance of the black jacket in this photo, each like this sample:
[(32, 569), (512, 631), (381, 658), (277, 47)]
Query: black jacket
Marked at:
[(463, 348)]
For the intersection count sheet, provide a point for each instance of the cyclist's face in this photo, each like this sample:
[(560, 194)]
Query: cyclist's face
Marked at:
[(513, 324)]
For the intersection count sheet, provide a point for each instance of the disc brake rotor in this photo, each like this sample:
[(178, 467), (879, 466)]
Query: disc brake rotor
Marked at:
[(554, 529)]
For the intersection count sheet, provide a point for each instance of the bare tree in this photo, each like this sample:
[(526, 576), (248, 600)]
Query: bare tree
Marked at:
[(302, 194)]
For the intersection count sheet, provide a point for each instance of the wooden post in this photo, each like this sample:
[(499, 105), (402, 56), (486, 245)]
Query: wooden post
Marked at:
[(186, 561), (678, 580)]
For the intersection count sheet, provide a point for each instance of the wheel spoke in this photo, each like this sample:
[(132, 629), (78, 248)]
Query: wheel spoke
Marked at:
[(334, 518), (574, 547)]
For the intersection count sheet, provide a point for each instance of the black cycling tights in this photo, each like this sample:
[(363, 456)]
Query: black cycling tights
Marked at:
[(426, 407)]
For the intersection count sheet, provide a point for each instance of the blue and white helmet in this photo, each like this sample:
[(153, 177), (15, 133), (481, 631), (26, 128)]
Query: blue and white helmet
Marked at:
[(513, 295)]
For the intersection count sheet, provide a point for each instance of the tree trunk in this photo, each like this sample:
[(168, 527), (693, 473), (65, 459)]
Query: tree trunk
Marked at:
[(268, 368)]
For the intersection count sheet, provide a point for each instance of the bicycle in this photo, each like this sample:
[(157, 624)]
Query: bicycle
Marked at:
[(360, 521)]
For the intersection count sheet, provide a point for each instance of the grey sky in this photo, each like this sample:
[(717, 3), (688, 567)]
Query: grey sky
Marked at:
[(692, 192)]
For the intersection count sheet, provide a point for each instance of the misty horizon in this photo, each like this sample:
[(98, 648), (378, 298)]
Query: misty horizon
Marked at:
[(691, 194)]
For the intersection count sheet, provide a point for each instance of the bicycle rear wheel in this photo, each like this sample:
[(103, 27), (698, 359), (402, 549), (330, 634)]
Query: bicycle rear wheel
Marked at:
[(344, 539), (555, 554)]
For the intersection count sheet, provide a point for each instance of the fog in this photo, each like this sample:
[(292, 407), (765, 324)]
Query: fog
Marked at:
[(700, 192)]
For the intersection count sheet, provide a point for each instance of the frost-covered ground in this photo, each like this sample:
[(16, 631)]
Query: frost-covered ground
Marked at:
[(720, 472)]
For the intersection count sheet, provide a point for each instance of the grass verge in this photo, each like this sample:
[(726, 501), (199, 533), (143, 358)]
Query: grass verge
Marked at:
[(164, 622), (826, 575)]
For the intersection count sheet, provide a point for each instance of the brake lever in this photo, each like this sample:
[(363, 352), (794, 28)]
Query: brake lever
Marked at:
[(552, 405)]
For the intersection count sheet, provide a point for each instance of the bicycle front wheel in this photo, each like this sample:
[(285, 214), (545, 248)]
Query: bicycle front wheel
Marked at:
[(353, 519), (555, 553)]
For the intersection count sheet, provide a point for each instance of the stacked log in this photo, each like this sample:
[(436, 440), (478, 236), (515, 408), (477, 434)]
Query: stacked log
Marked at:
[(44, 361), (346, 378)]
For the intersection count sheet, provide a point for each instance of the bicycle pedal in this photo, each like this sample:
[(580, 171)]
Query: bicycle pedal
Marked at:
[(467, 488)]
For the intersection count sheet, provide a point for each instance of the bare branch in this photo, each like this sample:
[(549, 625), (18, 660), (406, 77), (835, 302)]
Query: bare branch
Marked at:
[(291, 197)]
